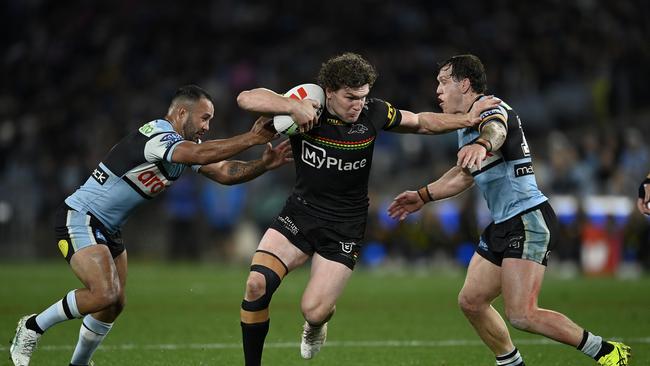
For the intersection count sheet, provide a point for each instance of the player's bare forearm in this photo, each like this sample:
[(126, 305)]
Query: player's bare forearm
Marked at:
[(436, 123), (430, 123), (455, 181), (234, 171), (243, 171), (265, 101), (213, 151), (494, 133)]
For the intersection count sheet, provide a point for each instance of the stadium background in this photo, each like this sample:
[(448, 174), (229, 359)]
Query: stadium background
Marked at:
[(77, 76)]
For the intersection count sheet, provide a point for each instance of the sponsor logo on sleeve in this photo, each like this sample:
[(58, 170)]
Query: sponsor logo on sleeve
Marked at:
[(100, 175), (147, 128), (490, 112), (391, 112), (170, 139)]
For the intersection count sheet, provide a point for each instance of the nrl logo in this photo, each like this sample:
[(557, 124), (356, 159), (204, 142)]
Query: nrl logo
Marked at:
[(347, 247)]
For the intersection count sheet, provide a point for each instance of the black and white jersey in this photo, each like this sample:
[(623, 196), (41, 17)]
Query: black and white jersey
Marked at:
[(506, 178), (137, 169), (333, 161)]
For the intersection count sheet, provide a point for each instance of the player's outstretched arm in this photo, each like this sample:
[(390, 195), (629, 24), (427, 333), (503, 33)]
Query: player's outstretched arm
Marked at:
[(231, 172), (213, 151), (430, 123), (453, 182), (268, 102)]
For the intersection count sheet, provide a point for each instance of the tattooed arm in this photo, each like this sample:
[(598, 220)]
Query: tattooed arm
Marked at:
[(493, 135), (231, 172)]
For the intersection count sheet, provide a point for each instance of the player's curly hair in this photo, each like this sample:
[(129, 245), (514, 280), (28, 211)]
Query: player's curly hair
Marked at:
[(346, 70), (470, 67)]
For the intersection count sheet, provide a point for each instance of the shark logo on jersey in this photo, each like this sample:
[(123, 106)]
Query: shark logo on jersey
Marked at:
[(170, 139), (317, 158), (357, 128), (100, 175)]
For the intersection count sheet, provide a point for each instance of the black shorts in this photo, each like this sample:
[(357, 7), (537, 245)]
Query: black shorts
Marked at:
[(338, 241), (75, 230), (530, 235)]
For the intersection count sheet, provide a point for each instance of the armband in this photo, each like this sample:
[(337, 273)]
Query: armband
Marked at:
[(424, 194), (484, 143), (641, 188)]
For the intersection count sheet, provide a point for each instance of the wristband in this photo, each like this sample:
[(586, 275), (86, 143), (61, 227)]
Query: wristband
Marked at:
[(642, 188), (484, 143), (425, 195)]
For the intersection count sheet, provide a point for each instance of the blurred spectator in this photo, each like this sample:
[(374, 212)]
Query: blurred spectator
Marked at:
[(76, 77)]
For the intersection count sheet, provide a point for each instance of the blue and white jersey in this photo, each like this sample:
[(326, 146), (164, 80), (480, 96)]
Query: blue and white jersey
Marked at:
[(506, 180), (137, 169)]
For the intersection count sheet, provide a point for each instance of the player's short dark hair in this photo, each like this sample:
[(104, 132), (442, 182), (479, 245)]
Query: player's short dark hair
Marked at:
[(346, 70), (191, 93), (467, 66)]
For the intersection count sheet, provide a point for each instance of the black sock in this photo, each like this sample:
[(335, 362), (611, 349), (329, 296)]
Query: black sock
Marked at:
[(253, 336), (605, 348), (31, 324)]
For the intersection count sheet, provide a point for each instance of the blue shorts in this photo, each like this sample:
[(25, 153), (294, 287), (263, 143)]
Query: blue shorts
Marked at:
[(530, 235), (75, 230)]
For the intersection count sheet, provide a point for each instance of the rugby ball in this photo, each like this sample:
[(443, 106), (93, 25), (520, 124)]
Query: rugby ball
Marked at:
[(283, 123)]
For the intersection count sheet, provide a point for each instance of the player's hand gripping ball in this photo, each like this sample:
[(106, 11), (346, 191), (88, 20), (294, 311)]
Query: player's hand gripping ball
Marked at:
[(283, 123)]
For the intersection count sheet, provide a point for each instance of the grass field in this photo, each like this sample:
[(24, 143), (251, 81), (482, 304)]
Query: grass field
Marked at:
[(189, 315)]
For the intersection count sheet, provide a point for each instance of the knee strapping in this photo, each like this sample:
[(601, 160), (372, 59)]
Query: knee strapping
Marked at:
[(273, 270)]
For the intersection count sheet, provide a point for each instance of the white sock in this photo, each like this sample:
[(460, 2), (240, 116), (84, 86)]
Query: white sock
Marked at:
[(91, 333), (512, 358), (591, 345), (64, 309)]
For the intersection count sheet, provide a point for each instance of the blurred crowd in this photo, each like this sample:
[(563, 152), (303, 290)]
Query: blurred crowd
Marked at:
[(79, 76)]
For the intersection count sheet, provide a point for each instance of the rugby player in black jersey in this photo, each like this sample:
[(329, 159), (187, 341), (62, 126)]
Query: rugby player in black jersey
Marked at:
[(325, 217), (137, 169)]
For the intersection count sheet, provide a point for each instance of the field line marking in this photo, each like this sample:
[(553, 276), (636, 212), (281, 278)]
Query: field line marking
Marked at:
[(329, 344)]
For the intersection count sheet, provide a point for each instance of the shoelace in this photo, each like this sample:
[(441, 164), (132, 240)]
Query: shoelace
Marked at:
[(311, 334), (29, 343)]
